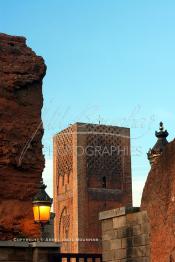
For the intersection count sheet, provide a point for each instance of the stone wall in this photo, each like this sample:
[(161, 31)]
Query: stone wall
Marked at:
[(158, 200), (125, 235), (21, 131), (13, 251)]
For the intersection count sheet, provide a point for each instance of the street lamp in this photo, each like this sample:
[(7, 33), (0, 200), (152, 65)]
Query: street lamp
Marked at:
[(41, 207)]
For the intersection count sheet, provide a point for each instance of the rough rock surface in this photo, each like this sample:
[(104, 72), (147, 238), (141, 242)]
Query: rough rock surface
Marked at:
[(21, 131), (159, 200)]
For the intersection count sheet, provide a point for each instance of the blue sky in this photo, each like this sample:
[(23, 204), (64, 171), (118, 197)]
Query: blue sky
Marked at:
[(112, 61)]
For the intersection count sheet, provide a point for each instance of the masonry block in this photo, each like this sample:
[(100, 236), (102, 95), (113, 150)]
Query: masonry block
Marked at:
[(122, 232), (116, 244), (124, 242), (145, 228), (107, 225), (137, 230), (106, 245), (119, 222), (140, 240), (120, 254), (108, 256), (110, 234)]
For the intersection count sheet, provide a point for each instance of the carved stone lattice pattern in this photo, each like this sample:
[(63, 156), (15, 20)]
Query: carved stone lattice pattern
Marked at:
[(65, 152), (64, 224), (104, 151)]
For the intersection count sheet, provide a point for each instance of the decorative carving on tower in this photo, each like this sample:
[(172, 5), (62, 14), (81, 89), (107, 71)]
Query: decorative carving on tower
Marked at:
[(158, 148)]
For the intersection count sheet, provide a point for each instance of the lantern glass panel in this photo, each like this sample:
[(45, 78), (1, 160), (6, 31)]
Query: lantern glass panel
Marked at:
[(41, 213)]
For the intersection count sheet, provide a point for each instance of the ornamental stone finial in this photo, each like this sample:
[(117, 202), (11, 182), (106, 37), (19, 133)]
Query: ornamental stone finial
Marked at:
[(158, 148)]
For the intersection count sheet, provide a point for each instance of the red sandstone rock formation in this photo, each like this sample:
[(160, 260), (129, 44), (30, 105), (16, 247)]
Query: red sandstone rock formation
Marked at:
[(159, 201), (21, 131)]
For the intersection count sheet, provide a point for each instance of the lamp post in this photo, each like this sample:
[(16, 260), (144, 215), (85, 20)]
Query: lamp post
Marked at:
[(41, 207)]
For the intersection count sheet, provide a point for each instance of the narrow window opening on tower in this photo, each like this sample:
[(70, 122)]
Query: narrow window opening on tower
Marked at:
[(104, 182), (63, 181)]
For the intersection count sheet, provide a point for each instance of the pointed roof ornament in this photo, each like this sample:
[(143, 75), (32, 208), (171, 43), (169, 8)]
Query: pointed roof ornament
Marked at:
[(158, 148), (161, 133), (41, 195)]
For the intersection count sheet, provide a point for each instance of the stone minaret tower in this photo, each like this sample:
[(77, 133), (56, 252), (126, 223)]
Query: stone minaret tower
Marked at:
[(92, 173)]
